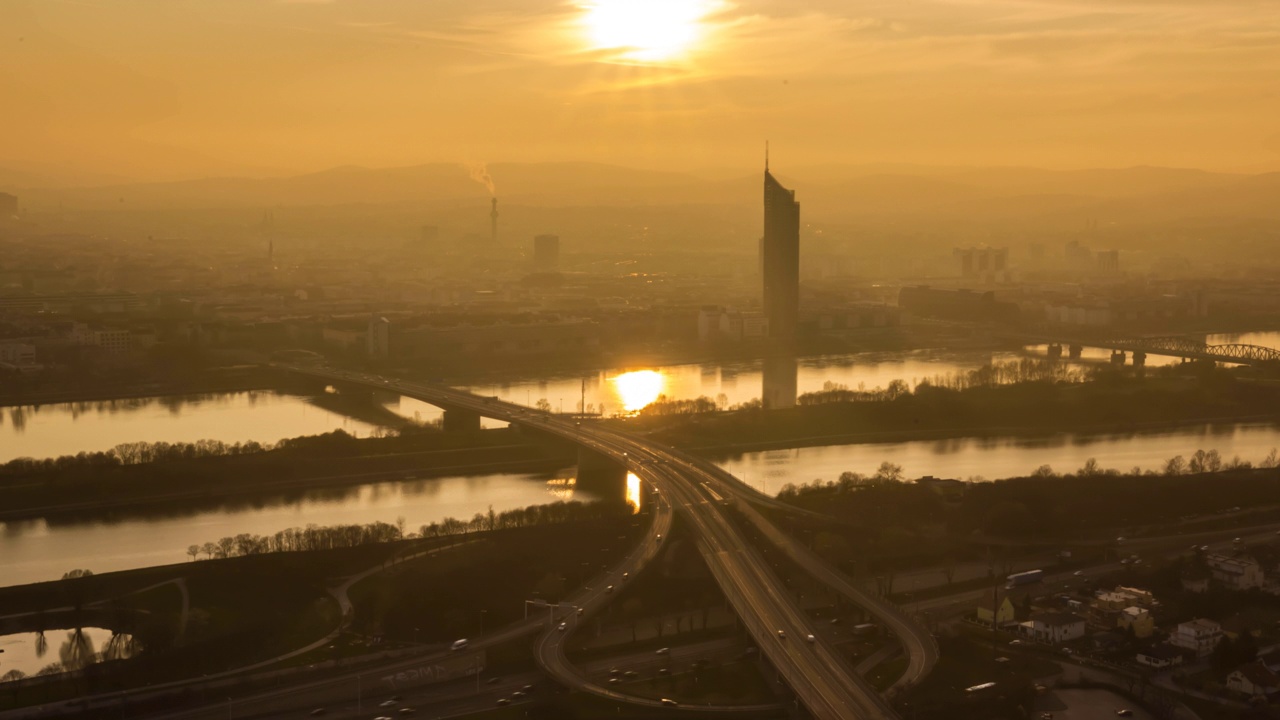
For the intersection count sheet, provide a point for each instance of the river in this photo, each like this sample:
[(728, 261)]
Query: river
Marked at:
[(42, 550)]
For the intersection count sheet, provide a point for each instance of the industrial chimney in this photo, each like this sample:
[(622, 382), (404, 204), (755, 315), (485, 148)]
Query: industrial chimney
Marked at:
[(493, 218)]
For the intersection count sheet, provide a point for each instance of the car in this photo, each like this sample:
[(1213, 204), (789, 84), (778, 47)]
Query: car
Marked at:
[(626, 575), (669, 702), (609, 589), (387, 703), (659, 537), (663, 651), (407, 711), (1125, 712), (615, 680), (835, 621), (581, 610), (631, 674), (503, 701), (1015, 642), (782, 635), (458, 644), (519, 694), (382, 717), (1078, 573), (1120, 539), (491, 681), (527, 689), (562, 627), (615, 671), (664, 671), (810, 638)]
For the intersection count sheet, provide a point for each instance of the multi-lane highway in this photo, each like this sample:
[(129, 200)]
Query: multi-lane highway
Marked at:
[(820, 678)]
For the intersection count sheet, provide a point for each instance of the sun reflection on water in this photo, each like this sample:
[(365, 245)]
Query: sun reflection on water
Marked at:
[(639, 388), (633, 492)]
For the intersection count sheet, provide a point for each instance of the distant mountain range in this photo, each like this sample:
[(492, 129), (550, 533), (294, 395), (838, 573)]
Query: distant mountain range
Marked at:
[(1137, 194)]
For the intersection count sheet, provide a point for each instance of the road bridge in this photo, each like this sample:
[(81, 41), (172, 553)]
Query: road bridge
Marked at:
[(814, 671)]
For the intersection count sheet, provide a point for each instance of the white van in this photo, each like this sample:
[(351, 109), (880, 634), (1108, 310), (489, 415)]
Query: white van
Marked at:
[(458, 644)]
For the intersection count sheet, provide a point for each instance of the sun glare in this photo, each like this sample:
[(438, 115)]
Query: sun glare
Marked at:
[(638, 388), (645, 30)]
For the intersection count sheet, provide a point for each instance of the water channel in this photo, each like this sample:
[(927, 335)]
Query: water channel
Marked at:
[(43, 549)]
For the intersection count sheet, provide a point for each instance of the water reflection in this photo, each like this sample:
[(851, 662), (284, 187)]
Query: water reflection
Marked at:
[(779, 382), (638, 388), (633, 492), (27, 654), (55, 429)]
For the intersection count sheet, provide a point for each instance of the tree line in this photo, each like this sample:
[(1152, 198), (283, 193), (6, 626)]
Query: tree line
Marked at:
[(330, 537), (142, 453)]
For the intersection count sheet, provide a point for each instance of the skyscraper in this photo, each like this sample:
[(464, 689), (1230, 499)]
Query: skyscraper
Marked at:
[(780, 260)]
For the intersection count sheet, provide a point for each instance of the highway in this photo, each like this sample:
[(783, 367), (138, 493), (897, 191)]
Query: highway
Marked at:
[(819, 677)]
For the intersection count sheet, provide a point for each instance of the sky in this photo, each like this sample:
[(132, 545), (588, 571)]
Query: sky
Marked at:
[(168, 89)]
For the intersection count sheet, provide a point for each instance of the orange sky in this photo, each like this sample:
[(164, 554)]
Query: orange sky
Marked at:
[(151, 89)]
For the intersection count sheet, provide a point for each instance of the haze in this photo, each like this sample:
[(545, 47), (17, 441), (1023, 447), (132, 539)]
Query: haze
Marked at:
[(106, 90)]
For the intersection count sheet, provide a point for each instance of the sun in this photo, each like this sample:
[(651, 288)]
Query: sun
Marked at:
[(645, 30)]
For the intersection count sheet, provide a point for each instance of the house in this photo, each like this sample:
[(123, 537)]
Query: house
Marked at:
[(1160, 656), (1200, 636), (1006, 604), (1138, 620), (1253, 679), (1239, 573), (1054, 627)]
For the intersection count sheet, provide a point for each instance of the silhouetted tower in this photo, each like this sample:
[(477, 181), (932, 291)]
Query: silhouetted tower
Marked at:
[(780, 259), (493, 221)]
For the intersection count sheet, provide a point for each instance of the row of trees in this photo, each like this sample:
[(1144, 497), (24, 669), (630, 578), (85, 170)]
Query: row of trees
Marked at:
[(312, 537), (556, 513), (317, 537), (141, 453), (1012, 372), (1201, 461)]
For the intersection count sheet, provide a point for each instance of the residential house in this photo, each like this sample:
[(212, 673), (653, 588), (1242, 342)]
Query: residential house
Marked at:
[(1196, 579), (1200, 636), (1006, 607), (1253, 680), (1160, 657), (1054, 627), (1239, 573), (1138, 620)]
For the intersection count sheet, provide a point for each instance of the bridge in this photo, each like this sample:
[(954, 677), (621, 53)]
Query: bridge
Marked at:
[(821, 680), (1172, 346)]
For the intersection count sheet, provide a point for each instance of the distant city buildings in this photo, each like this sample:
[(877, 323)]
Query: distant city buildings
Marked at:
[(378, 337), (546, 253), (985, 265)]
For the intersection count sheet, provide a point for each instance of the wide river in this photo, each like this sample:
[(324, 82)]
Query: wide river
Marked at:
[(41, 550)]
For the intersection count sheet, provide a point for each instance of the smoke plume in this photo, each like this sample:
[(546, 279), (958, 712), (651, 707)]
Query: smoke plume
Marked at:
[(480, 173)]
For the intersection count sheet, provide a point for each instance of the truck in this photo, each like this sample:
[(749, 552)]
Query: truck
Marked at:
[(1029, 577)]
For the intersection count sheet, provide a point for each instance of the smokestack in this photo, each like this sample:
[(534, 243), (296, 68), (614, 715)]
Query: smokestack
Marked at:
[(493, 218)]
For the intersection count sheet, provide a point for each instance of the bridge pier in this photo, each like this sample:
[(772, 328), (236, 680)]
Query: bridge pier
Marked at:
[(461, 421), (1074, 351), (600, 474), (1055, 351), (1139, 358), (1117, 357)]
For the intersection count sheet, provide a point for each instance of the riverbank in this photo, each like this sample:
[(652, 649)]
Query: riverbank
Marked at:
[(102, 485), (1115, 404)]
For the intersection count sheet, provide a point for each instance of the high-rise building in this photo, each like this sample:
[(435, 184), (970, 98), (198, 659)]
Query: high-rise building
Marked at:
[(780, 260), (546, 252)]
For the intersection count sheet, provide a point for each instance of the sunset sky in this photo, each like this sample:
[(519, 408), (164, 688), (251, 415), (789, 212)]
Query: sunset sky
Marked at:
[(157, 89)]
